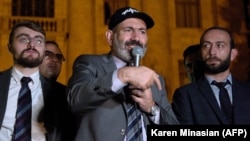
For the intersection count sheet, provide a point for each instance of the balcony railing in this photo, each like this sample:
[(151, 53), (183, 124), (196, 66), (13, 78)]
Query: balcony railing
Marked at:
[(48, 24)]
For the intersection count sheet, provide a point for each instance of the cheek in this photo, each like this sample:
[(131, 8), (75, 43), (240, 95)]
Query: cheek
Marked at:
[(144, 40), (41, 51), (13, 48), (204, 54), (59, 67), (16, 52)]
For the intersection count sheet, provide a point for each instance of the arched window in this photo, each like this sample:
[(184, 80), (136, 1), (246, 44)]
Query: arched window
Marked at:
[(33, 8)]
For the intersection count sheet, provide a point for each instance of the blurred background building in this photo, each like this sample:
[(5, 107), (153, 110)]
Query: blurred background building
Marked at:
[(79, 27)]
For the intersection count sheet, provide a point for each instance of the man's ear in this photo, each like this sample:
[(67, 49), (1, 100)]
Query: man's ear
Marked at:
[(234, 54), (109, 37), (10, 48)]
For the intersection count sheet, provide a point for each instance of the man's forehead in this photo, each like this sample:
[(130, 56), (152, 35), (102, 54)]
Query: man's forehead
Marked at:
[(28, 31), (131, 21), (52, 48), (216, 33)]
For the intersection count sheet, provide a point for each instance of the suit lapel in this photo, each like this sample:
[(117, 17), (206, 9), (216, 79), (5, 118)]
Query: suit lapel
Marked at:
[(109, 66), (4, 83), (207, 92), (108, 63), (46, 87)]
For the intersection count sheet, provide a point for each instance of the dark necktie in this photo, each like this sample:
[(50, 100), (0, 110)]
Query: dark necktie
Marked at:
[(134, 127), (134, 130), (22, 128), (226, 106)]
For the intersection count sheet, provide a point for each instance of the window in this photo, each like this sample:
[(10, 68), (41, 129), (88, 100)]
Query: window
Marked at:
[(188, 13), (33, 8)]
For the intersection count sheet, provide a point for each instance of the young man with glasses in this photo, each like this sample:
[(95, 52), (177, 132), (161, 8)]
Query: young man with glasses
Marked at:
[(32, 109)]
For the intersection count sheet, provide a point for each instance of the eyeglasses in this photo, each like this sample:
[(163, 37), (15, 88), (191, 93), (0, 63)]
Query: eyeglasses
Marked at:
[(189, 65), (38, 41), (51, 55)]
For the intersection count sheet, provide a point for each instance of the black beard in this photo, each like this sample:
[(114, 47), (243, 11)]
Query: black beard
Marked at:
[(28, 63), (215, 70)]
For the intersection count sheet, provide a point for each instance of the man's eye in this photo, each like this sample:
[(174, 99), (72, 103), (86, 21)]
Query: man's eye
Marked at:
[(206, 45), (220, 45), (23, 40), (127, 30), (143, 32), (189, 65), (39, 41), (47, 54)]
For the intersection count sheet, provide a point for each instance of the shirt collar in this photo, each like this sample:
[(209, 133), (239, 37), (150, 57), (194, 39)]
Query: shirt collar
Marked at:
[(118, 62), (229, 78), (17, 75)]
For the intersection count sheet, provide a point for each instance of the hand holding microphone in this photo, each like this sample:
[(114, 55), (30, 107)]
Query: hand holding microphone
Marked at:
[(140, 77), (143, 97)]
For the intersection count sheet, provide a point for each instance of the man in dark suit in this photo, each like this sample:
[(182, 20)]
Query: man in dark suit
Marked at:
[(51, 68), (101, 86), (27, 45), (200, 102)]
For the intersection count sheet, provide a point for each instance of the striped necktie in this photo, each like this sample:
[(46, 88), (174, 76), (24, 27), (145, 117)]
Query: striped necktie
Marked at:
[(22, 128), (134, 130), (134, 127)]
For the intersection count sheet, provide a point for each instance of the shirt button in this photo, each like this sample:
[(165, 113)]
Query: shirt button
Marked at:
[(123, 131)]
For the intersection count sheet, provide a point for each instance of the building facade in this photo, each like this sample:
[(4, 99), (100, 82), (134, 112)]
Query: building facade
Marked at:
[(79, 27)]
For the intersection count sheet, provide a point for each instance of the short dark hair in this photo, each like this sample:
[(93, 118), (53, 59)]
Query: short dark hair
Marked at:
[(218, 28), (25, 23), (191, 49), (52, 42)]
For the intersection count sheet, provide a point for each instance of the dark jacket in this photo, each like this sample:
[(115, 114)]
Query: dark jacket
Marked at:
[(196, 104)]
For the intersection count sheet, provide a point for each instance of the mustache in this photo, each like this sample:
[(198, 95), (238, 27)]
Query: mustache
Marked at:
[(133, 42), (28, 49), (213, 58)]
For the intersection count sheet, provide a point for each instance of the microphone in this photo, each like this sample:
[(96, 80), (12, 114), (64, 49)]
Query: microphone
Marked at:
[(137, 53)]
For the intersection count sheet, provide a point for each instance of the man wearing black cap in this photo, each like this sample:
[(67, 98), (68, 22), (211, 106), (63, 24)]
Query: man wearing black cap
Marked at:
[(103, 88)]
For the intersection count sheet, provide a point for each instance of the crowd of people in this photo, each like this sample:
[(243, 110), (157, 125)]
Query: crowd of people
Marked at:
[(108, 97)]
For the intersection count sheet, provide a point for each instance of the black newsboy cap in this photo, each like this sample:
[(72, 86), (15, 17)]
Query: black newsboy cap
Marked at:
[(129, 12)]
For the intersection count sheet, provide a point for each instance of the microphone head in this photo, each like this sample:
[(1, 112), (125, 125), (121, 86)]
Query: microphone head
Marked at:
[(137, 50)]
